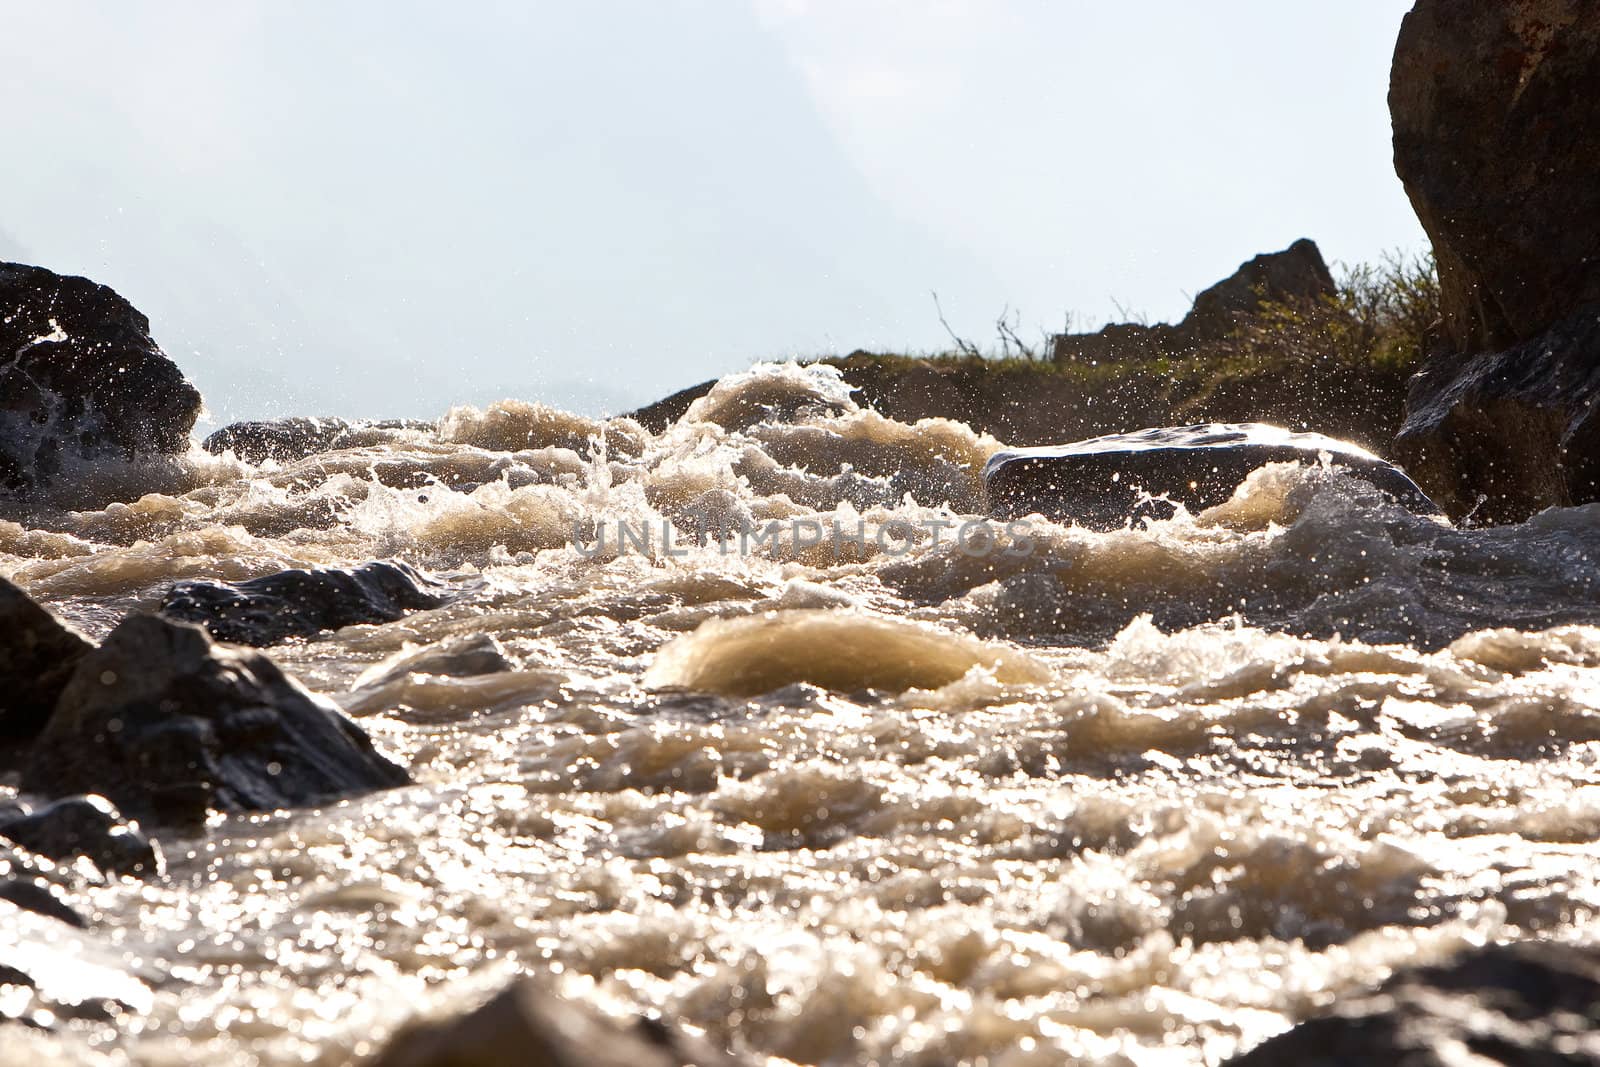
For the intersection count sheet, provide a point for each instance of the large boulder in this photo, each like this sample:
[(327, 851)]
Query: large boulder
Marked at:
[(168, 726), (301, 603), (1294, 275), (1496, 111), (37, 656), (81, 377), (1519, 1005), (524, 1024), (1108, 482)]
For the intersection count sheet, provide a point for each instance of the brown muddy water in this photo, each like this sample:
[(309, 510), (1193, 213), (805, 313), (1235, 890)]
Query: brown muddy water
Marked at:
[(1138, 797)]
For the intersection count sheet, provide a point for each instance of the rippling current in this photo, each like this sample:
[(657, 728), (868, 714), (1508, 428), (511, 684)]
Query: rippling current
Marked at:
[(1134, 797)]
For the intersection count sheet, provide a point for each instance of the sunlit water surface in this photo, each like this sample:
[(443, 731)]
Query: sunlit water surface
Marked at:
[(1139, 797)]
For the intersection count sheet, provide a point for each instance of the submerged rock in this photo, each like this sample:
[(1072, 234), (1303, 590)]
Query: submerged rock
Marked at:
[(286, 440), (301, 603), (168, 726), (1518, 1005), (83, 826), (1106, 482), (1496, 113), (81, 377), (526, 1025), (38, 895), (50, 973), (37, 656)]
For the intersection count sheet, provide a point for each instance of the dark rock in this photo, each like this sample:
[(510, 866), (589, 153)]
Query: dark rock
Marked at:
[(1519, 1005), (168, 726), (81, 377), (1506, 434), (286, 440), (84, 826), (1106, 482), (301, 603), (526, 1025), (1496, 111), (39, 896), (465, 656), (37, 656), (1296, 274), (59, 974)]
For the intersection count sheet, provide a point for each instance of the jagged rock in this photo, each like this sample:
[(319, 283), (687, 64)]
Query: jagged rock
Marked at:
[(1520, 1005), (286, 440), (1505, 434), (1496, 111), (168, 726), (526, 1025), (301, 603), (81, 377), (1105, 482), (37, 656), (83, 826), (1296, 274)]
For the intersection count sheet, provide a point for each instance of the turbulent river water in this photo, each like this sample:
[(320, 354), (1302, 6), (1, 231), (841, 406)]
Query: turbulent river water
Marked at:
[(1144, 796)]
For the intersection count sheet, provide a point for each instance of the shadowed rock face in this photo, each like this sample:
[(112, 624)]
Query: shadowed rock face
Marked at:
[(301, 603), (37, 656), (168, 726), (1106, 482), (1520, 1005), (80, 376), (1496, 110), (526, 1025)]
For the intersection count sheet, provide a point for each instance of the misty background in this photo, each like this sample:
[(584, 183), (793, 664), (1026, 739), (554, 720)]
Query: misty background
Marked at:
[(382, 209)]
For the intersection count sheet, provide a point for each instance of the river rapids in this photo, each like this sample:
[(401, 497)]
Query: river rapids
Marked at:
[(1142, 797)]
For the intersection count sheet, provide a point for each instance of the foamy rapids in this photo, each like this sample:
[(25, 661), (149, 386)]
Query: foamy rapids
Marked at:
[(1139, 797)]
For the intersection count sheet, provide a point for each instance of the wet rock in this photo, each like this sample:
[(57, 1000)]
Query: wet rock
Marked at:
[(1106, 482), (50, 973), (1503, 435), (39, 896), (286, 440), (80, 376), (467, 656), (87, 826), (301, 603), (37, 656), (1296, 274), (526, 1025), (1496, 112), (168, 726), (1520, 1005)]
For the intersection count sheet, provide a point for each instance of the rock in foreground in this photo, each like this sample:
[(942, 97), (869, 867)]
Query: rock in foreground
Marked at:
[(81, 377), (1107, 482), (37, 656), (525, 1025), (168, 726), (1496, 111), (301, 603), (1520, 1005)]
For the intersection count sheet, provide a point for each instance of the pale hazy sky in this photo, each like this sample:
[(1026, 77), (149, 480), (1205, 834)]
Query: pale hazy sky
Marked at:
[(382, 208)]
